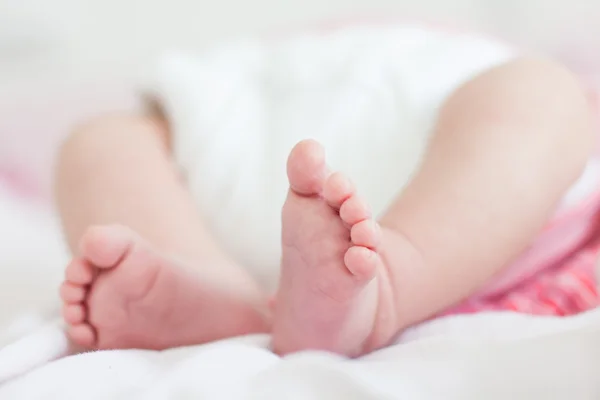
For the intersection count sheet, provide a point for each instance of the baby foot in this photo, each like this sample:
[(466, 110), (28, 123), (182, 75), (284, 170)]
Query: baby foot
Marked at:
[(119, 293), (334, 288)]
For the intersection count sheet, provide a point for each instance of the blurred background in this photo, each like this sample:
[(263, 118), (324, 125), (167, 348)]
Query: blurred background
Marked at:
[(76, 38), (63, 60)]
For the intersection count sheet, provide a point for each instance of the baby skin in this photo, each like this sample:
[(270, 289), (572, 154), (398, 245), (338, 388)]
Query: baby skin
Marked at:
[(349, 284)]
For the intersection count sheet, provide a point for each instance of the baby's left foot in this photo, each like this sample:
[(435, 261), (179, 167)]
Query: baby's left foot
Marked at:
[(334, 292), (121, 293)]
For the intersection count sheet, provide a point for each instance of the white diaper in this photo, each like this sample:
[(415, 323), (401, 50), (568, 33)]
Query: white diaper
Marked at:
[(369, 94)]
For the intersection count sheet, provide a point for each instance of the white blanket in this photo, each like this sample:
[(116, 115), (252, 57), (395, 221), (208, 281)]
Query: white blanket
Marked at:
[(491, 356), (487, 356)]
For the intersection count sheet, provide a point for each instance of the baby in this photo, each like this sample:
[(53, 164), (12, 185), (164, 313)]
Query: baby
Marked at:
[(505, 148)]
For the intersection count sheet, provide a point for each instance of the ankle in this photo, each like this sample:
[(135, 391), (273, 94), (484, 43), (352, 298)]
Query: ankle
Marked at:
[(406, 270)]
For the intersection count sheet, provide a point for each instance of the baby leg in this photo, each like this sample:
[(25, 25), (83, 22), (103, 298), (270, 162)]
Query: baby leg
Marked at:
[(506, 147), (145, 272)]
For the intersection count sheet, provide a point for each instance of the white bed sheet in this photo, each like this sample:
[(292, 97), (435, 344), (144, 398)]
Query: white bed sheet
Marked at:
[(491, 356)]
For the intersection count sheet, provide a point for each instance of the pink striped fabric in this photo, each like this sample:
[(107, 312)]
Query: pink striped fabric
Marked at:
[(567, 289), (557, 274)]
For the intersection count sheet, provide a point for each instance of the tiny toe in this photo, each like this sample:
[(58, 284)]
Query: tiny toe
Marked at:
[(80, 272), (354, 210), (82, 334), (366, 233), (73, 313), (71, 293), (361, 262), (106, 245), (306, 168), (338, 189)]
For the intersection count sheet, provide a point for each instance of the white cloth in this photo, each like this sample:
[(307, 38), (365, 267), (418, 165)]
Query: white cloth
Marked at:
[(491, 356)]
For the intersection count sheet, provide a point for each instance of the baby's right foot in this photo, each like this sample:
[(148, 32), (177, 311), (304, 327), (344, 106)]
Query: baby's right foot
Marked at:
[(335, 293), (121, 294)]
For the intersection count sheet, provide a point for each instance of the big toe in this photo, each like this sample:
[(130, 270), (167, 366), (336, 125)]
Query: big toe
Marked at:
[(306, 167), (105, 245)]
